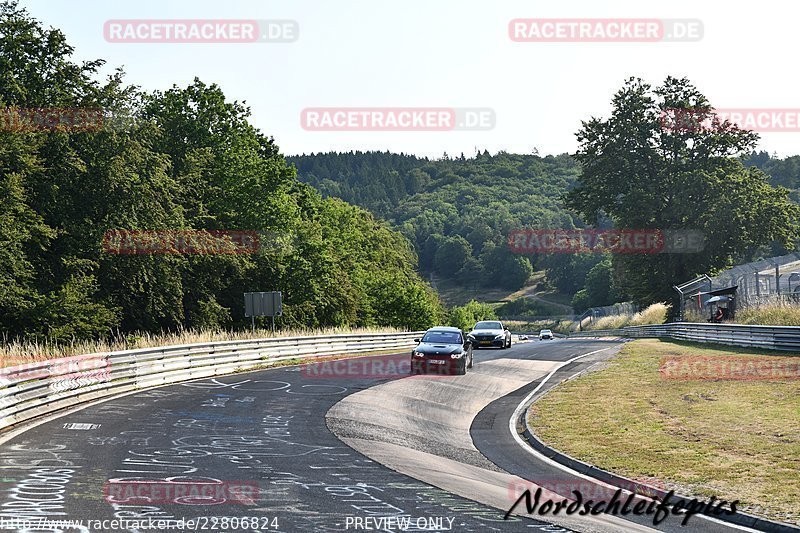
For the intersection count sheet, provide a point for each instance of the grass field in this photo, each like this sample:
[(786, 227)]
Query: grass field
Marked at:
[(732, 439)]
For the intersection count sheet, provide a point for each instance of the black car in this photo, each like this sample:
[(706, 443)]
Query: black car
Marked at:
[(488, 333), (442, 350)]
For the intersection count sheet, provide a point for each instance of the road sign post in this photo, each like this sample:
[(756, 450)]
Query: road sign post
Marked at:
[(263, 304)]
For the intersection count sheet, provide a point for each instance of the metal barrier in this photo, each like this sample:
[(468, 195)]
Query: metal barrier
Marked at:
[(598, 333), (36, 389), (784, 338)]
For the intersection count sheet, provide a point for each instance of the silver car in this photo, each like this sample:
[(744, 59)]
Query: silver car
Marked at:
[(488, 333)]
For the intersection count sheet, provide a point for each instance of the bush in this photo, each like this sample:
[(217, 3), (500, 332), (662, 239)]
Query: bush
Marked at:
[(527, 307), (556, 326), (580, 302), (465, 316)]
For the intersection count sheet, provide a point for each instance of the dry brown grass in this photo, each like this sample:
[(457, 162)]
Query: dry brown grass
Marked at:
[(654, 314), (777, 314), (16, 353)]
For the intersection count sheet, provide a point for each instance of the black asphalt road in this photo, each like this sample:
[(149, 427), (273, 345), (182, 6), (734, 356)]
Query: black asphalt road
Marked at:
[(263, 428), (251, 446)]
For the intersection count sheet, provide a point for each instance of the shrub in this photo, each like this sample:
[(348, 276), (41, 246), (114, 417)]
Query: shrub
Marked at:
[(527, 307), (465, 316)]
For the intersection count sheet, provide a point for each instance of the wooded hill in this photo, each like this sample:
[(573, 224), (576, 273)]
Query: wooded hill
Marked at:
[(457, 212)]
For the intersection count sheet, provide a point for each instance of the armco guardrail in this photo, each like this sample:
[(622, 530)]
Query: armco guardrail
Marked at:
[(599, 333), (35, 389), (784, 338)]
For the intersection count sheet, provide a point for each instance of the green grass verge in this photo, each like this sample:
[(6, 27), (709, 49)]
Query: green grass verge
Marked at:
[(732, 439)]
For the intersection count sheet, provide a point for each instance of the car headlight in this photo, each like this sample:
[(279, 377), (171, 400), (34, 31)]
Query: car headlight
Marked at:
[(498, 337), (456, 355), (417, 354)]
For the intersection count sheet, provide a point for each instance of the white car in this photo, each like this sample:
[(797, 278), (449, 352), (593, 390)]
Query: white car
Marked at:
[(488, 333), (545, 334)]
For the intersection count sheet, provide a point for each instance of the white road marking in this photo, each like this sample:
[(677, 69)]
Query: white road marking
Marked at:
[(512, 427)]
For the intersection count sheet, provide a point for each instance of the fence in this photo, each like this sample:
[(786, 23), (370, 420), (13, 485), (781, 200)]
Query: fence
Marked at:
[(35, 389), (784, 338), (775, 279), (537, 318), (761, 280)]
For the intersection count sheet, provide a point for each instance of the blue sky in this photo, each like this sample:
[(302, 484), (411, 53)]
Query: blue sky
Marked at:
[(449, 53)]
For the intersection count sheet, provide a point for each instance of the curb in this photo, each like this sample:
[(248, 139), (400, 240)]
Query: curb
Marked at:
[(738, 518)]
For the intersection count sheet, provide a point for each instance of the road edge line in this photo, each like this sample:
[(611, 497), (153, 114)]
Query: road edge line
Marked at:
[(555, 459)]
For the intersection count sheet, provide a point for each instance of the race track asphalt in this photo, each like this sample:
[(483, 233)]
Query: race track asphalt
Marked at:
[(304, 448)]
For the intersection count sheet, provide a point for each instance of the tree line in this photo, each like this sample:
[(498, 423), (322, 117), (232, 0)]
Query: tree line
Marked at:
[(457, 212), (186, 158), (632, 170)]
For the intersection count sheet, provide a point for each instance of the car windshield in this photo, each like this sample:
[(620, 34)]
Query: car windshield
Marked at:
[(442, 337), (545, 331), (488, 325)]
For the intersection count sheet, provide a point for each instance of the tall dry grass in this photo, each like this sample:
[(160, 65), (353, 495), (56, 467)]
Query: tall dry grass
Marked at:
[(14, 353), (692, 315), (776, 314), (772, 314), (610, 322), (654, 314)]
